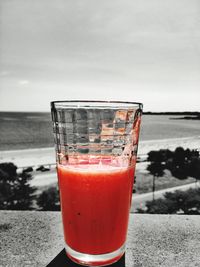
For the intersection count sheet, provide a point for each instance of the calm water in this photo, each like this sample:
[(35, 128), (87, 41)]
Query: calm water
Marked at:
[(163, 127), (34, 130)]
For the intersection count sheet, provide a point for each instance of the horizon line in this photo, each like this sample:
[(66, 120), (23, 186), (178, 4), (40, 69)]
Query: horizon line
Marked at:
[(144, 112)]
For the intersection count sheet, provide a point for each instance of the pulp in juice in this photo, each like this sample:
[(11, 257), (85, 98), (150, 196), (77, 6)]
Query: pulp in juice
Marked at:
[(95, 204)]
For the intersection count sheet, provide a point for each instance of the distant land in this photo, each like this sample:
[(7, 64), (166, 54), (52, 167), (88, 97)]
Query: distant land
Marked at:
[(187, 115), (187, 118), (191, 113)]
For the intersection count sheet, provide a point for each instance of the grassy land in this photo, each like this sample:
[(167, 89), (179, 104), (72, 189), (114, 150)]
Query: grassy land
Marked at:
[(144, 182)]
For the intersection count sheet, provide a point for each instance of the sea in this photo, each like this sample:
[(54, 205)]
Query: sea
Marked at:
[(25, 130)]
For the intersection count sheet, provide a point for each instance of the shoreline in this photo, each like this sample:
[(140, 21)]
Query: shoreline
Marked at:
[(190, 138), (36, 157), (146, 146), (45, 156), (26, 149)]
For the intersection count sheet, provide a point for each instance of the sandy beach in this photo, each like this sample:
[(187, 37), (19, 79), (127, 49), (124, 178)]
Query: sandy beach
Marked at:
[(192, 142), (46, 156), (29, 157), (43, 156)]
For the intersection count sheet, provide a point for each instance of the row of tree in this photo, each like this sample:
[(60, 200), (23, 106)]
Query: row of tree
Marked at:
[(178, 202), (182, 163), (16, 193)]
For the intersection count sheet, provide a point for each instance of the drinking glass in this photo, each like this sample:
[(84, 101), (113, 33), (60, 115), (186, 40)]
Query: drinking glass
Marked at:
[(96, 146)]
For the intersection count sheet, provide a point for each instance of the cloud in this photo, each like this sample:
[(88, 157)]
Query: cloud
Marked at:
[(4, 73), (23, 82), (141, 50)]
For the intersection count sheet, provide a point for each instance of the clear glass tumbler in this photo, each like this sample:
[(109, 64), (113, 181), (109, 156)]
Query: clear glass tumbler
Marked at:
[(96, 148)]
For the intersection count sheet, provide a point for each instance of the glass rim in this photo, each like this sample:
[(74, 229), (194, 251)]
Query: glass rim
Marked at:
[(128, 104)]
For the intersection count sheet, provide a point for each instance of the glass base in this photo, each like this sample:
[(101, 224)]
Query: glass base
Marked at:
[(95, 260)]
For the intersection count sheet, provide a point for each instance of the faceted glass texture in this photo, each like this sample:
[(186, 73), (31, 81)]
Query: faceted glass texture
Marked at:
[(83, 129)]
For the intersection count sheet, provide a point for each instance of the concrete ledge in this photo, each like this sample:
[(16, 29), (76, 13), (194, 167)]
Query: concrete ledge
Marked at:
[(35, 238)]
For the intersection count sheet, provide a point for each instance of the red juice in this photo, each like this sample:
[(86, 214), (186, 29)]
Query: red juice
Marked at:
[(95, 203)]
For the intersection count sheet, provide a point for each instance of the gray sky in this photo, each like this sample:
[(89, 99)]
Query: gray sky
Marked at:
[(135, 50)]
